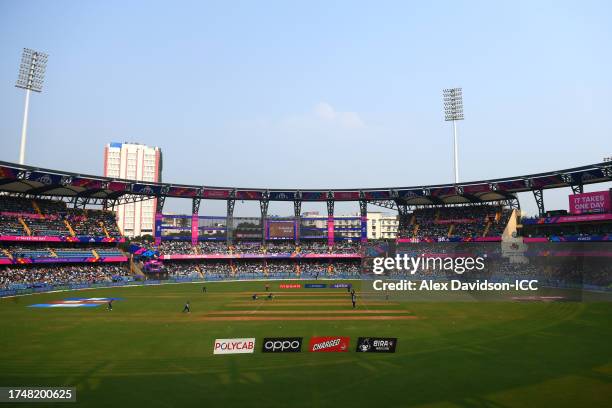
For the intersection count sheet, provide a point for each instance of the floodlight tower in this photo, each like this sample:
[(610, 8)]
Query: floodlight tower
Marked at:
[(453, 111), (31, 77)]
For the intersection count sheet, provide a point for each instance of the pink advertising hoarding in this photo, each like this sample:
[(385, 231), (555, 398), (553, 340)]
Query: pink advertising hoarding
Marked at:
[(194, 229), (330, 231), (588, 203), (258, 256)]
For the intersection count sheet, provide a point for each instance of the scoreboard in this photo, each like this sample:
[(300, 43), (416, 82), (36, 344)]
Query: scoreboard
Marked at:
[(281, 230)]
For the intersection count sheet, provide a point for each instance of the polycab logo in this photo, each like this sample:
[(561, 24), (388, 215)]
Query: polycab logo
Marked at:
[(329, 344), (282, 345), (234, 346)]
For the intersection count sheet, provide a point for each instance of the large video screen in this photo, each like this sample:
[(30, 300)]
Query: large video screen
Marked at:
[(281, 230)]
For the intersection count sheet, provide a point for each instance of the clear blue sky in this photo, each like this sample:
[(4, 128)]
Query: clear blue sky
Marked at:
[(313, 94)]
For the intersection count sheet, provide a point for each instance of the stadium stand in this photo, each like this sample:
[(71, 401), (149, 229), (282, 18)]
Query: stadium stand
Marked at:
[(45, 235), (11, 226), (212, 247), (26, 217), (38, 240), (34, 276), (580, 227), (259, 269), (463, 222), (37, 250), (252, 247), (93, 223)]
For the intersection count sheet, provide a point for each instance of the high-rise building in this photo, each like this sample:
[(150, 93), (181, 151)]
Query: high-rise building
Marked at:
[(134, 161)]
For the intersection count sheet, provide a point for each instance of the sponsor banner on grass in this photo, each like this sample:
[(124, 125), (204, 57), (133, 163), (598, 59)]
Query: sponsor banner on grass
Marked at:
[(339, 285), (282, 345), (234, 346), (329, 344), (376, 345), (290, 286), (315, 285), (76, 302)]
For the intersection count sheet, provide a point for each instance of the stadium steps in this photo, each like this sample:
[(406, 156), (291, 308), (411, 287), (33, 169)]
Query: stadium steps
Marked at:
[(412, 220), (415, 231), (451, 228), (25, 226), (53, 253), (8, 254), (487, 227), (72, 233), (197, 267), (95, 254), (105, 230), (135, 269), (36, 207)]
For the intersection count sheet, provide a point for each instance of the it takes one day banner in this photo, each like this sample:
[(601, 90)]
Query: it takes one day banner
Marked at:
[(589, 203)]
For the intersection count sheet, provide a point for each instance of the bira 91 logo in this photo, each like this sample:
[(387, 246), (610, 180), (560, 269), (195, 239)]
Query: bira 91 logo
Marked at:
[(234, 346), (376, 344), (282, 345), (329, 344)]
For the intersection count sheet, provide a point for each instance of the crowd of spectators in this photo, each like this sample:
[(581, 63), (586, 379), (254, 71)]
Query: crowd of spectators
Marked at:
[(43, 250), (48, 218), (93, 222), (346, 247), (578, 229), (25, 205), (261, 268), (251, 268), (51, 226), (257, 247), (246, 247), (281, 247), (463, 222), (176, 248), (33, 276), (11, 226), (218, 270), (182, 269), (313, 247), (213, 247), (325, 269), (281, 267)]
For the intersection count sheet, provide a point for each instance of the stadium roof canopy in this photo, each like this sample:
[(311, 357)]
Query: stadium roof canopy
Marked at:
[(18, 179)]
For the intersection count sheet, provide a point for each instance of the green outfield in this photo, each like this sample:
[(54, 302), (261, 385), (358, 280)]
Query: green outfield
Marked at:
[(463, 353)]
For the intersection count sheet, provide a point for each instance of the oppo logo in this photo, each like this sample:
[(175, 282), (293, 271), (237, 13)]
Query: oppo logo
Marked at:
[(282, 345)]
